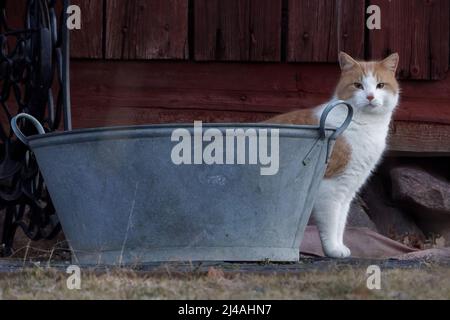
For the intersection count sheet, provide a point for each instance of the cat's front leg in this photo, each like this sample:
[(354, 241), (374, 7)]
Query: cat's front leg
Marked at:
[(329, 211), (343, 216)]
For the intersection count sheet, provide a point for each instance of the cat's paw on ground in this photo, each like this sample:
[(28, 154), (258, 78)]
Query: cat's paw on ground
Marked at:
[(338, 252)]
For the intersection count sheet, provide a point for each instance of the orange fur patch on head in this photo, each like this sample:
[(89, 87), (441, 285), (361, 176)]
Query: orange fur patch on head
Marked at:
[(341, 151), (354, 71), (385, 75), (345, 88)]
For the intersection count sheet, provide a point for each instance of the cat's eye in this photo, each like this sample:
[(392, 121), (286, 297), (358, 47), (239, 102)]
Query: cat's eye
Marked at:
[(380, 85), (358, 85)]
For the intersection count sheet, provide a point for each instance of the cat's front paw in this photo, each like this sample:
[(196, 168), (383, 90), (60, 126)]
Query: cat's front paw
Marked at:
[(337, 252)]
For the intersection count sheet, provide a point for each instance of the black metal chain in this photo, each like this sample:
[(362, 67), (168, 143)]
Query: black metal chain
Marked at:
[(33, 79)]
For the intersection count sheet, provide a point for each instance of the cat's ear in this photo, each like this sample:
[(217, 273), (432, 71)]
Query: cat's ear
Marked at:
[(391, 62), (346, 62)]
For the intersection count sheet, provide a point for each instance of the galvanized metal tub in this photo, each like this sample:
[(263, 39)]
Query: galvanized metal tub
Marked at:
[(122, 200)]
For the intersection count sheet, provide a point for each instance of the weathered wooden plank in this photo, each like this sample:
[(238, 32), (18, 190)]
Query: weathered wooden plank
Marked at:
[(138, 116), (265, 30), (147, 29), (221, 30), (319, 29), (440, 42), (351, 27), (266, 88), (311, 35), (424, 139), (88, 42), (237, 30), (419, 31)]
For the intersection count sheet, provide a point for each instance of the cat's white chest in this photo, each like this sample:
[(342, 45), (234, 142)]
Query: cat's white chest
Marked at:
[(368, 143)]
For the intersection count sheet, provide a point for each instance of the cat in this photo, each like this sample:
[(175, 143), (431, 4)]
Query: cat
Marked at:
[(373, 91)]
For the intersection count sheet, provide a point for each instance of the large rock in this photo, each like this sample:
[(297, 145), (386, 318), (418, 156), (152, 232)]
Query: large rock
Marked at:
[(421, 192), (390, 221), (426, 196)]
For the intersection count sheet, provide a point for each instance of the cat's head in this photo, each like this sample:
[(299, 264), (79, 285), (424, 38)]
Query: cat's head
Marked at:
[(371, 87)]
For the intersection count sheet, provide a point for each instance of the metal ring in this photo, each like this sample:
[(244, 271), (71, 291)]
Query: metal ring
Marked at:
[(18, 132), (345, 124)]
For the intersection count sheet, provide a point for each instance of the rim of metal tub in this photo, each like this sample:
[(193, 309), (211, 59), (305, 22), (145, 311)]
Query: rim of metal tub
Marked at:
[(117, 132)]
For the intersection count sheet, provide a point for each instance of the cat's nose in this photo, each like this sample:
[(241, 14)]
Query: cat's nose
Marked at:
[(370, 97)]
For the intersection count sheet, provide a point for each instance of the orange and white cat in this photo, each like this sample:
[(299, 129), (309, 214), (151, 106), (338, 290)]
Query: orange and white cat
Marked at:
[(372, 89)]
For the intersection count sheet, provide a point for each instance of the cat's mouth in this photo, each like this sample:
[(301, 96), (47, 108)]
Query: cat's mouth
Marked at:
[(373, 105)]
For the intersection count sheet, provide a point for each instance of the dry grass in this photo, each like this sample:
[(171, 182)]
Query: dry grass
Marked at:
[(346, 283)]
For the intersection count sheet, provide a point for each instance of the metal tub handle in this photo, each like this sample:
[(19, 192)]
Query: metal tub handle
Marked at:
[(322, 130), (345, 124), (19, 133)]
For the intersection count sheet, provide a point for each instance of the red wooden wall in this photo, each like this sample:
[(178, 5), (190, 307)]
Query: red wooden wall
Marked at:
[(280, 55), (319, 29), (237, 30), (419, 31), (266, 30)]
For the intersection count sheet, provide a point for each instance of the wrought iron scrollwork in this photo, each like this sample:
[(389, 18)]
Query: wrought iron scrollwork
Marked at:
[(34, 80)]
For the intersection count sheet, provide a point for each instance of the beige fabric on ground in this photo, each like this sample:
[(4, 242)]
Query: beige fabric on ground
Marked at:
[(366, 244)]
